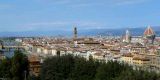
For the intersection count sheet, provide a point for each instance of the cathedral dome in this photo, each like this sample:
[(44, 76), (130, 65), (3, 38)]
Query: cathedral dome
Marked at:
[(149, 32)]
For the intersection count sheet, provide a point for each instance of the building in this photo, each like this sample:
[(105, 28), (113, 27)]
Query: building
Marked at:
[(75, 33), (127, 58), (34, 65), (136, 39), (141, 61), (127, 37), (149, 35), (99, 56), (1, 45), (139, 50)]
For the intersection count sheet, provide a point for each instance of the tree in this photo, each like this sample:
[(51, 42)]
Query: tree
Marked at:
[(19, 65), (5, 66), (83, 69), (68, 67), (14, 68), (57, 67)]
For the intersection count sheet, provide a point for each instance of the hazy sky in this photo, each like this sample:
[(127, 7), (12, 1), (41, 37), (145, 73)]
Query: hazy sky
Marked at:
[(44, 15)]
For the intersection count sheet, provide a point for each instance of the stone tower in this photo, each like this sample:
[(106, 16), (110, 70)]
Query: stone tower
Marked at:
[(75, 33), (127, 36)]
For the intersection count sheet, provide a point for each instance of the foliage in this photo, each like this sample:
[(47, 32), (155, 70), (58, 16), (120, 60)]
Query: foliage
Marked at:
[(57, 68), (5, 68), (14, 68), (83, 69), (68, 67)]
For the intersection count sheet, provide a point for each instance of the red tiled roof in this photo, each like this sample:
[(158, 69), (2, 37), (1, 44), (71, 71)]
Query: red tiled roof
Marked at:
[(128, 55), (149, 31), (140, 58)]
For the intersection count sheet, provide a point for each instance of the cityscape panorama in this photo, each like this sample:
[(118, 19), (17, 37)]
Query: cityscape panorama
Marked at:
[(79, 40)]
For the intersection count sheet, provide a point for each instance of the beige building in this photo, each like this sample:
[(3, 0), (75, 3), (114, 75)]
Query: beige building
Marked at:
[(141, 61), (99, 56), (127, 58), (140, 50)]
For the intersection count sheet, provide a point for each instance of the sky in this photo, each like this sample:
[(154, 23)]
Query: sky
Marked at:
[(48, 15)]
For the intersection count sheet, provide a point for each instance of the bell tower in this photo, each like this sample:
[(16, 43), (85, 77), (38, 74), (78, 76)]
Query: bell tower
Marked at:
[(75, 33)]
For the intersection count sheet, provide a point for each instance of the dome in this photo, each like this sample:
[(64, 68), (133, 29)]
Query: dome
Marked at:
[(149, 32)]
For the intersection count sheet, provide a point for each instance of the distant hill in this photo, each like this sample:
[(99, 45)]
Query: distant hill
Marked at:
[(119, 32), (88, 32)]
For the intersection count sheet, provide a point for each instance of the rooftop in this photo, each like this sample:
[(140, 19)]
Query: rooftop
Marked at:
[(149, 31)]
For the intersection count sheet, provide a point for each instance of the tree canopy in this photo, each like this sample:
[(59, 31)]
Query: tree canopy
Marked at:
[(14, 68), (68, 67)]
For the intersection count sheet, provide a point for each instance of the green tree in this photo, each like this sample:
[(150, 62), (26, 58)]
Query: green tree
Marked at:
[(13, 68), (68, 67), (57, 68), (5, 66), (83, 69), (19, 65)]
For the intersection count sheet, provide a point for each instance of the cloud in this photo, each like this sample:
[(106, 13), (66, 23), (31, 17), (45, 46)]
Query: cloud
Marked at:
[(55, 2), (85, 5), (128, 2)]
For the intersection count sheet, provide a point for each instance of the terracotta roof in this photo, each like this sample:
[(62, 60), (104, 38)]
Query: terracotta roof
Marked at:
[(149, 31), (141, 58), (89, 42), (128, 55), (33, 58), (104, 47), (98, 54)]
